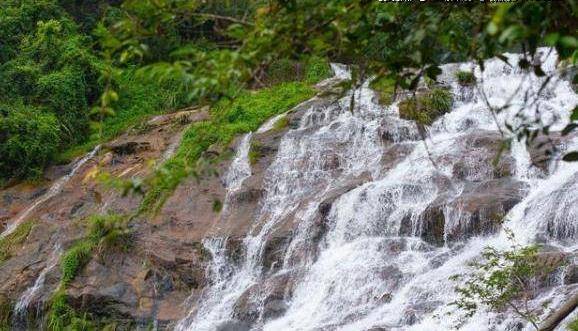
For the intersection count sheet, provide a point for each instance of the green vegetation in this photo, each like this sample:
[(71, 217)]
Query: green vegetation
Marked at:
[(104, 232), (317, 69), (466, 78), (426, 108), (217, 206), (385, 88), (281, 123), (49, 78), (9, 243), (138, 100), (229, 118), (503, 279), (61, 316), (255, 152), (573, 325)]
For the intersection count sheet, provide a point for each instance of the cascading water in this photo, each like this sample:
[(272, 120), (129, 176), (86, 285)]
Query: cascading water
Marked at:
[(372, 267), (52, 191), (33, 292)]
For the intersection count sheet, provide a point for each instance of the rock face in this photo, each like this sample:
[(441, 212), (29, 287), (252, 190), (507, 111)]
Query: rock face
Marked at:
[(149, 282), (333, 188)]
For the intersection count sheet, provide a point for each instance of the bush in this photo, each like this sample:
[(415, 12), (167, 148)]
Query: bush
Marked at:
[(29, 138), (64, 93), (18, 18), (465, 78), (426, 108)]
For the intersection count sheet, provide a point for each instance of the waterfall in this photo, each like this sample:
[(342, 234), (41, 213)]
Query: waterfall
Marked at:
[(378, 260), (52, 191), (240, 168), (32, 292)]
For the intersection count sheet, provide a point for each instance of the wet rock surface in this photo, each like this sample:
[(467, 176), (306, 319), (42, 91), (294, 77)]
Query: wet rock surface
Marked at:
[(169, 270)]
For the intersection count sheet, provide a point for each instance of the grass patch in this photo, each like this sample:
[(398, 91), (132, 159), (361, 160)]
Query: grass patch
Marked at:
[(104, 232), (61, 316), (9, 243), (317, 69), (310, 70), (229, 118), (465, 78), (573, 326), (385, 88), (426, 108), (255, 152)]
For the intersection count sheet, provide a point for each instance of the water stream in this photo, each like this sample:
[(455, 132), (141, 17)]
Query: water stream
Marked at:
[(55, 189), (372, 265)]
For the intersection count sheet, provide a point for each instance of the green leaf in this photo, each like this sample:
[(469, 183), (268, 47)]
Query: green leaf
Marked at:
[(492, 28), (574, 116), (551, 38), (569, 42)]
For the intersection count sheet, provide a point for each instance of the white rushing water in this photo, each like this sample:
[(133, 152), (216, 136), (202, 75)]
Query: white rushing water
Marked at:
[(55, 189), (372, 267)]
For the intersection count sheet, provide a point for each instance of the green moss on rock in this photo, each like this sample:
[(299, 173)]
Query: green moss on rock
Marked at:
[(465, 78), (426, 108), (385, 89)]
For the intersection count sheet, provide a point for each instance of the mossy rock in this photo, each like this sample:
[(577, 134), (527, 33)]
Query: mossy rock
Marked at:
[(466, 78), (385, 89), (426, 108)]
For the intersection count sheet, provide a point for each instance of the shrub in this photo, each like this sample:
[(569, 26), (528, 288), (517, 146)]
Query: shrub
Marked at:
[(64, 93), (29, 138), (217, 206), (426, 108), (465, 78), (255, 152)]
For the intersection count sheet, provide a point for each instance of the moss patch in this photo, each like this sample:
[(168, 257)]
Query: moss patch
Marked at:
[(465, 78), (9, 243), (217, 206), (281, 123), (426, 108), (385, 88), (104, 232), (61, 316), (255, 152)]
